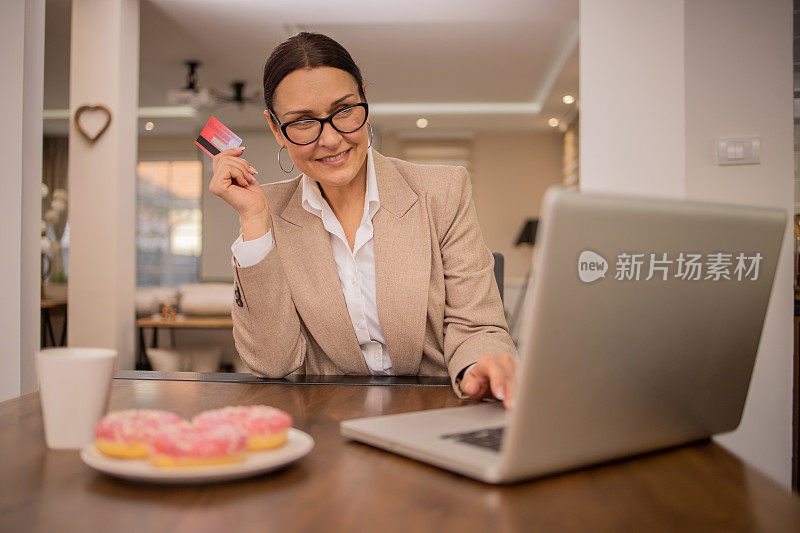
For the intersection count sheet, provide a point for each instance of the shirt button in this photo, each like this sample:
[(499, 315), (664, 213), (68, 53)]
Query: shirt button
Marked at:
[(377, 355), (353, 281)]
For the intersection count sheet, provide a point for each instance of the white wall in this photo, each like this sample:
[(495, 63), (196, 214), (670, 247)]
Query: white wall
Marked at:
[(511, 172), (22, 64), (660, 82), (632, 97), (739, 83)]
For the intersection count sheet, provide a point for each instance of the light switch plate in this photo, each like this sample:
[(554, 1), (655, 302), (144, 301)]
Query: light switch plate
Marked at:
[(739, 151)]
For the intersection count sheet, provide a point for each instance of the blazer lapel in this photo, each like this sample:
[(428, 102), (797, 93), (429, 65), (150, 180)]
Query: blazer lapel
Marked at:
[(314, 282), (402, 267)]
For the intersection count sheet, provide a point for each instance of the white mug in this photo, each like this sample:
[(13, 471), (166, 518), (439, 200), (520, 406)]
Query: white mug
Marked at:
[(74, 385)]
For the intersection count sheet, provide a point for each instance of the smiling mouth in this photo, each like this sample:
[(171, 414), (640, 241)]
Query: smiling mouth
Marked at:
[(334, 157)]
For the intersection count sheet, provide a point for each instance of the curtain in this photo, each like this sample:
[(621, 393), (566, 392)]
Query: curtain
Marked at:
[(55, 153)]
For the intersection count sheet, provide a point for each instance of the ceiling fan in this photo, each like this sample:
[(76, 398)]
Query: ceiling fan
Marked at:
[(186, 101), (205, 98)]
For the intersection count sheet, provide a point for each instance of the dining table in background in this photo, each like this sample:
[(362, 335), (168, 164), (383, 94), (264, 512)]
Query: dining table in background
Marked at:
[(50, 306), (171, 324)]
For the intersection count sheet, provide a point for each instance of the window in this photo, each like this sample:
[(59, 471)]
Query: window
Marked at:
[(168, 222)]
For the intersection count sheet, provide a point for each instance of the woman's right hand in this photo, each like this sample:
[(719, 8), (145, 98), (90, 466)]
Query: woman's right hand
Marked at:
[(233, 181)]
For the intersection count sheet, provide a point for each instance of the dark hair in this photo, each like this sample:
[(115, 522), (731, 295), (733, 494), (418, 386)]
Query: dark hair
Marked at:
[(307, 50)]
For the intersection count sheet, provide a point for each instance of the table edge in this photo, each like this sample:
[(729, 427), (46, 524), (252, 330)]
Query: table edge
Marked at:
[(244, 377)]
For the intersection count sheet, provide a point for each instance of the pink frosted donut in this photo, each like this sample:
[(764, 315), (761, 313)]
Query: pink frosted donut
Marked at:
[(189, 445), (266, 426), (126, 434)]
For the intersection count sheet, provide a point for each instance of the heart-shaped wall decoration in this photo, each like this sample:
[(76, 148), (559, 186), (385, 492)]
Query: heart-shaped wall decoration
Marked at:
[(92, 109)]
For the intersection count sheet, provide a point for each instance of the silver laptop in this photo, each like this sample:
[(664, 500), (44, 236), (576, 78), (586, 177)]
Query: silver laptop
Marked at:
[(639, 332)]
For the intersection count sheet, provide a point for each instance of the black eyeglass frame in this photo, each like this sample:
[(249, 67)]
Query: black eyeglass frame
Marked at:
[(322, 121)]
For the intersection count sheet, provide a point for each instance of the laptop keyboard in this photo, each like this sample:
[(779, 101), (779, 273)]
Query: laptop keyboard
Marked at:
[(486, 438)]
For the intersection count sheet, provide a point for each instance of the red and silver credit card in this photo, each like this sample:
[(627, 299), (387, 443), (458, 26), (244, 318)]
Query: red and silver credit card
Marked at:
[(215, 138)]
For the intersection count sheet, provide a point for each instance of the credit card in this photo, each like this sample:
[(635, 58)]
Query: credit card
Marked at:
[(215, 138)]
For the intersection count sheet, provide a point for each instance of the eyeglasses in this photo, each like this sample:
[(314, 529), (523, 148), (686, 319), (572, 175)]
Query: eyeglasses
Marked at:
[(307, 130)]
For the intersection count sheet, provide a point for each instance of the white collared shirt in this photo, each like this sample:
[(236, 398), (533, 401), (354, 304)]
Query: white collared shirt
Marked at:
[(356, 268)]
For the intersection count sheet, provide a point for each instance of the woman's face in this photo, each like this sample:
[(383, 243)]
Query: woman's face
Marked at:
[(319, 92)]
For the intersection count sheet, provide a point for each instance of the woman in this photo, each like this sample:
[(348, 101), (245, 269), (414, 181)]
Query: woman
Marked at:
[(364, 264)]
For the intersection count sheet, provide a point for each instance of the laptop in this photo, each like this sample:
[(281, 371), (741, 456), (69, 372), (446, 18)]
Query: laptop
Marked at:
[(639, 332)]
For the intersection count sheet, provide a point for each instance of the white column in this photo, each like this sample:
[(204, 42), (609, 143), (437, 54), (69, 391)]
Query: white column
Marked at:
[(12, 26), (33, 81), (632, 97), (660, 81), (104, 69), (22, 64)]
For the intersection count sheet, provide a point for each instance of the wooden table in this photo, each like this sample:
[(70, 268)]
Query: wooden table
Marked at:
[(345, 486), (181, 322)]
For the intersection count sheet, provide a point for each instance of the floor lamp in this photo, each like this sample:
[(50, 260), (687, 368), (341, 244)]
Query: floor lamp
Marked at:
[(526, 237)]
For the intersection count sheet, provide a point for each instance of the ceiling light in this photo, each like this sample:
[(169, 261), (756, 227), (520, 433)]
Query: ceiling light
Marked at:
[(553, 122), (568, 99), (422, 123), (149, 126)]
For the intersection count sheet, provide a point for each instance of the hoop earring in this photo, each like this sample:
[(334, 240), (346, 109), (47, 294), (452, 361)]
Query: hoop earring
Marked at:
[(369, 128), (281, 164)]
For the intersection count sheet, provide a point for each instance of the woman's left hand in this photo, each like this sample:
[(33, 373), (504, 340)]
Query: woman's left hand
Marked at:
[(492, 375)]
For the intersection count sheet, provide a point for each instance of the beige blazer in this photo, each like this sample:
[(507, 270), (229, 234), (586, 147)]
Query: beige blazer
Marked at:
[(437, 298)]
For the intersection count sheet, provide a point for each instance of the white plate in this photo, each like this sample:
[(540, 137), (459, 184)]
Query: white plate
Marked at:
[(298, 444)]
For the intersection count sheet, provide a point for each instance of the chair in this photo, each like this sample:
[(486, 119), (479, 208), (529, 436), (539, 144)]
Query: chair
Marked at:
[(499, 265)]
